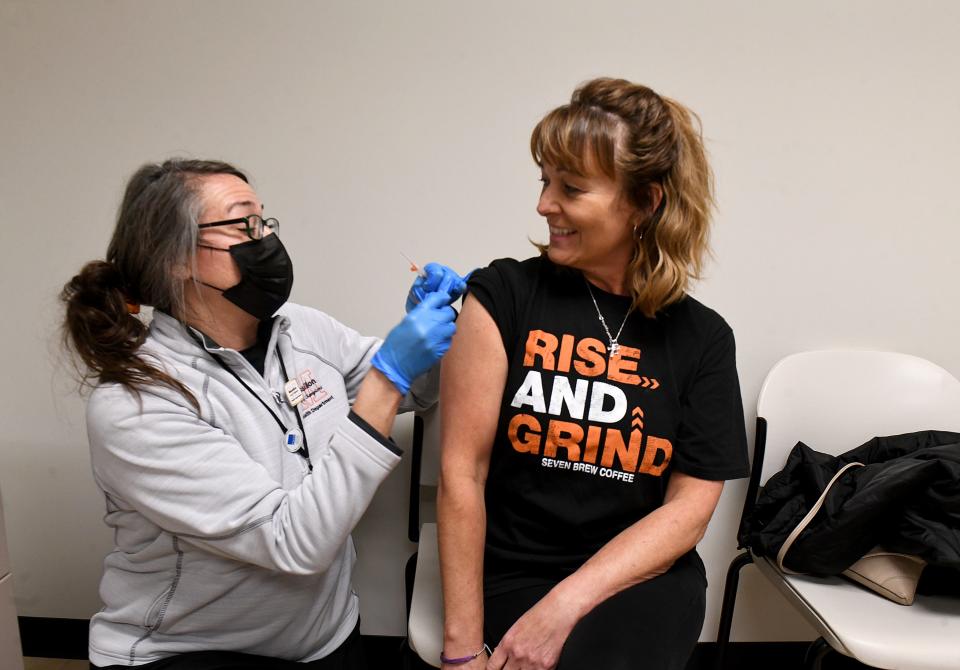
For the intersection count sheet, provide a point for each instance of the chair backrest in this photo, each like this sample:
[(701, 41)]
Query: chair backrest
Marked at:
[(425, 471), (835, 400), (424, 600), (11, 657)]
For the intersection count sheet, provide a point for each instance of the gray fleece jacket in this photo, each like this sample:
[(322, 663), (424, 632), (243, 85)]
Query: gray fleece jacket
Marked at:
[(223, 538)]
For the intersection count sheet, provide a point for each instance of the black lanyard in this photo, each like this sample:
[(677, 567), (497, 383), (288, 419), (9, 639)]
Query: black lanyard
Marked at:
[(304, 450)]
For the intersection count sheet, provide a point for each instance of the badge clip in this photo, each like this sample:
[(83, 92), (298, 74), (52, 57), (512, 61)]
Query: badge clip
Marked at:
[(293, 440)]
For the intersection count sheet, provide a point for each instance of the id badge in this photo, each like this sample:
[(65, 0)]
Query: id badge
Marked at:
[(293, 392)]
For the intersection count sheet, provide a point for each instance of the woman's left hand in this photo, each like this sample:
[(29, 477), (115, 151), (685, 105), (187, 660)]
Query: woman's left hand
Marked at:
[(535, 640)]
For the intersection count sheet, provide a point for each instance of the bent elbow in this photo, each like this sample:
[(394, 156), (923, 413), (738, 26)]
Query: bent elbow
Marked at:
[(307, 561)]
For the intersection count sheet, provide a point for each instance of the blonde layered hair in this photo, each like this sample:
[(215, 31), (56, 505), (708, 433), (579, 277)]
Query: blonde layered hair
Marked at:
[(639, 138)]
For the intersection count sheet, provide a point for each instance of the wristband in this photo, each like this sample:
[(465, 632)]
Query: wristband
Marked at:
[(464, 659)]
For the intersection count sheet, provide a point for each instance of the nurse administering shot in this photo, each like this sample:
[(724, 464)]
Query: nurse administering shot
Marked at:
[(237, 438)]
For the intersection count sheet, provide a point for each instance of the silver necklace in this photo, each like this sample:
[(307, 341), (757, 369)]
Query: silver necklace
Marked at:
[(614, 343)]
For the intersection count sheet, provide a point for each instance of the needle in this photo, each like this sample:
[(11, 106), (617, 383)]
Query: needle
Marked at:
[(414, 267)]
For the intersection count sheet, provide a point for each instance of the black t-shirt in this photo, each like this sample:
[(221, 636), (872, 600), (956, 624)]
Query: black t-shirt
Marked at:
[(256, 355), (585, 444)]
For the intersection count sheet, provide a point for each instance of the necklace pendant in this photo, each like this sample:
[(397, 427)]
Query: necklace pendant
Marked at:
[(614, 349)]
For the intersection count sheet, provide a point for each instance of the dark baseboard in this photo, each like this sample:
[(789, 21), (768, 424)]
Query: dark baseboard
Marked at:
[(67, 638), (53, 638)]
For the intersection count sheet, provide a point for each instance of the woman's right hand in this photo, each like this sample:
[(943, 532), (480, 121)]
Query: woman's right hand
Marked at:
[(418, 342)]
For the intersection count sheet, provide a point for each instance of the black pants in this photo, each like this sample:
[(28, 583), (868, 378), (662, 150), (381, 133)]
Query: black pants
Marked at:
[(348, 656), (654, 625)]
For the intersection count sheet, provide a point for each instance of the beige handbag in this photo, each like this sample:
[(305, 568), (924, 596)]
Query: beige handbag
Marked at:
[(892, 575)]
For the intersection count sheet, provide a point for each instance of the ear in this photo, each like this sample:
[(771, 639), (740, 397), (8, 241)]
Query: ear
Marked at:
[(656, 196)]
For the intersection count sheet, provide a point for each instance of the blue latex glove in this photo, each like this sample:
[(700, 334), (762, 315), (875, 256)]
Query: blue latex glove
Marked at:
[(439, 278), (418, 342)]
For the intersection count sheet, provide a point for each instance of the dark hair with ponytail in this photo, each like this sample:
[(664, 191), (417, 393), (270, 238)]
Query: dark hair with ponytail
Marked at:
[(631, 133), (154, 239)]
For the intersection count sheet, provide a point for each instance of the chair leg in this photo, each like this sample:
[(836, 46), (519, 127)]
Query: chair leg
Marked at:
[(726, 610), (410, 660), (813, 659), (405, 656)]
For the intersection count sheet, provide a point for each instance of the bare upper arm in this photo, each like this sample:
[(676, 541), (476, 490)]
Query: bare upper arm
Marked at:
[(472, 379)]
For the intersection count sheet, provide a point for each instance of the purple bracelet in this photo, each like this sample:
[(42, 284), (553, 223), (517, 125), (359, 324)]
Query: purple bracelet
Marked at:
[(464, 659)]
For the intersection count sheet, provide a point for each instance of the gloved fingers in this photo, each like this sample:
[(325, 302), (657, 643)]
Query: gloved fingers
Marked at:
[(452, 284), (442, 349), (443, 331), (441, 338), (416, 293), (435, 300), (435, 273), (462, 288), (438, 277), (434, 320), (444, 312), (442, 278), (449, 314)]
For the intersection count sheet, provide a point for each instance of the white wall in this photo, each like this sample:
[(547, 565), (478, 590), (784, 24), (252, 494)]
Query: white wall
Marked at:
[(371, 127)]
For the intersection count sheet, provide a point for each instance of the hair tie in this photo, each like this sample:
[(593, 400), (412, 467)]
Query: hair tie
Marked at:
[(464, 659), (133, 307)]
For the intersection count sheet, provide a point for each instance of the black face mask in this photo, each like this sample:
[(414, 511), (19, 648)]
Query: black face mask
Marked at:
[(266, 276)]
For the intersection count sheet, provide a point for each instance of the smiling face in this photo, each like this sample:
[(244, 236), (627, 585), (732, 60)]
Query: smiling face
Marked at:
[(590, 222)]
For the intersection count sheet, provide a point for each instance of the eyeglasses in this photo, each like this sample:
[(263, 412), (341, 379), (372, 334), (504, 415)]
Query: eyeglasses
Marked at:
[(254, 226)]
